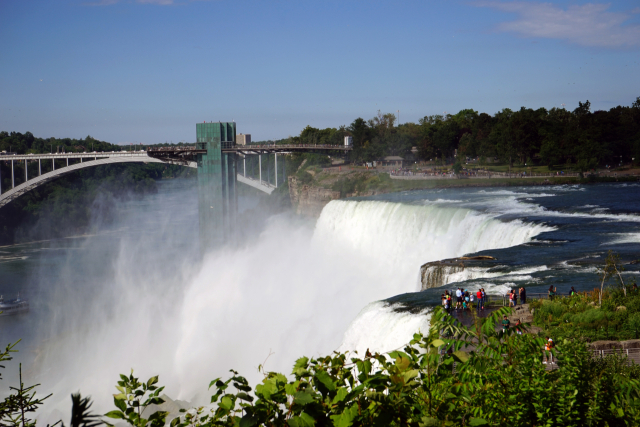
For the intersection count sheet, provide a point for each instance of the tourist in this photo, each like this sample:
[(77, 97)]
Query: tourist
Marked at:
[(518, 327), (548, 355), (523, 295), (573, 292), (480, 300), (552, 292), (511, 301), (484, 297), (458, 298), (505, 324)]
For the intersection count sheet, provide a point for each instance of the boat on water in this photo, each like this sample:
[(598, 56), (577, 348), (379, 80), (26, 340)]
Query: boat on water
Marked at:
[(14, 306)]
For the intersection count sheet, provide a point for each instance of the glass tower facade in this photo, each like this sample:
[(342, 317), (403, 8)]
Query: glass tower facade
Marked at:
[(217, 180)]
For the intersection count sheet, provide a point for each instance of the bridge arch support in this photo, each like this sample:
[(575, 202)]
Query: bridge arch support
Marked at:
[(29, 185)]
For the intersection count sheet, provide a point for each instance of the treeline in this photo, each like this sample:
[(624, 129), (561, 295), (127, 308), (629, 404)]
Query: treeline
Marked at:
[(552, 137), (75, 203), (16, 142)]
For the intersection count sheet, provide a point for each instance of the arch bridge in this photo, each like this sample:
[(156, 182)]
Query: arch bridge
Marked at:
[(183, 156), (220, 167)]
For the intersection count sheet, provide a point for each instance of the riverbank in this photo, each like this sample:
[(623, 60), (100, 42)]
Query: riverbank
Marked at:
[(311, 189)]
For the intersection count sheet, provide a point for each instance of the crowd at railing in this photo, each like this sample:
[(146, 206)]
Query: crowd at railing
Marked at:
[(475, 174), (292, 146)]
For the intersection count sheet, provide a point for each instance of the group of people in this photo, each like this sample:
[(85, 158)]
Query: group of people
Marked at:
[(513, 297), (464, 300)]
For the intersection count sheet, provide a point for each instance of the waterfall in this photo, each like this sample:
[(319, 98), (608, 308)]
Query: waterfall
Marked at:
[(400, 238)]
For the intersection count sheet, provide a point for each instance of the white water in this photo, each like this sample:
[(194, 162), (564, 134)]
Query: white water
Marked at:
[(294, 291)]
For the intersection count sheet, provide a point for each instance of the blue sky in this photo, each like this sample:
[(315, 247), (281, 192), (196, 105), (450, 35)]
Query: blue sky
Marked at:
[(147, 71)]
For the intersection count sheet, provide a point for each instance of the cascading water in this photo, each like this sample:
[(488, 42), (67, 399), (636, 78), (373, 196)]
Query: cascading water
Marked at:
[(293, 291), (398, 238)]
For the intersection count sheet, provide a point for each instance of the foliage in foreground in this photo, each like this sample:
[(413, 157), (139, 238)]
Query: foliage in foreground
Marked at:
[(455, 376)]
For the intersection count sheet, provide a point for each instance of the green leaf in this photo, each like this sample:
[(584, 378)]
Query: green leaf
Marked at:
[(346, 418), (120, 404), (248, 421), (437, 343), (245, 396), (267, 388), (302, 398), (429, 422), (304, 420), (226, 403), (402, 363), (301, 363), (340, 396), (115, 414), (325, 380), (477, 422), (461, 356), (152, 381), (409, 375), (290, 389)]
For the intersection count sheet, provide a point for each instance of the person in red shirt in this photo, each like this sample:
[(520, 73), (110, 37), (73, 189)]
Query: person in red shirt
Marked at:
[(480, 300)]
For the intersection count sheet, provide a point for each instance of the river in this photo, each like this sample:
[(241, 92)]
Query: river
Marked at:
[(137, 294)]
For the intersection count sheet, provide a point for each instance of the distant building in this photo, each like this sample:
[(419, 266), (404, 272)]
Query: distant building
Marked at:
[(242, 139), (395, 161), (348, 141)]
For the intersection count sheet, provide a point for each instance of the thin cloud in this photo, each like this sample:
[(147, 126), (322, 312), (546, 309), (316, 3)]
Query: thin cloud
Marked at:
[(590, 24)]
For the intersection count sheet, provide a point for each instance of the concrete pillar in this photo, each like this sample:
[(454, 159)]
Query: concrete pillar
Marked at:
[(260, 167), (13, 183), (67, 162), (26, 174), (244, 166), (39, 167), (53, 162), (276, 157), (0, 177)]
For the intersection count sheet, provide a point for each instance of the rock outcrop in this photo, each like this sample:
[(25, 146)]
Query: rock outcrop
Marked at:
[(309, 200), (436, 274)]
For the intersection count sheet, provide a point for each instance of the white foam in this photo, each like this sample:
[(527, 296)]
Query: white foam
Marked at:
[(624, 238), (381, 329)]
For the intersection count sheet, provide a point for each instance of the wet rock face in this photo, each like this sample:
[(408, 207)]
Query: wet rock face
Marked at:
[(309, 200), (435, 274)]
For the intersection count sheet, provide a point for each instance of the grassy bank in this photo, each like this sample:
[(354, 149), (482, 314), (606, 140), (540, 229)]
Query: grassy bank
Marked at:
[(362, 182), (618, 318)]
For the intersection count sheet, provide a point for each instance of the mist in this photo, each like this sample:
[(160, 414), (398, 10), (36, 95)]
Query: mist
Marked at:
[(138, 295)]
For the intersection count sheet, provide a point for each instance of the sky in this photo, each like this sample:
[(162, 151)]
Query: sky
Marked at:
[(145, 71)]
